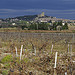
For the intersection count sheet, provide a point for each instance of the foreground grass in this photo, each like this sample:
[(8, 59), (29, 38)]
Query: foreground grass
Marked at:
[(41, 63)]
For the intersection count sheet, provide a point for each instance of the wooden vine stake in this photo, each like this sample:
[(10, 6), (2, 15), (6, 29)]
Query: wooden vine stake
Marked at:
[(35, 51), (52, 48), (55, 59), (71, 49), (16, 51), (55, 73), (65, 73), (68, 48), (70, 52), (21, 52)]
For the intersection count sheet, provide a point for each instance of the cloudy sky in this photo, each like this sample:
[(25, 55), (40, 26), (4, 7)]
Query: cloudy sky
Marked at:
[(57, 8)]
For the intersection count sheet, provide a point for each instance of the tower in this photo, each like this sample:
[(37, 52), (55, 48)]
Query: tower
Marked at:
[(41, 15)]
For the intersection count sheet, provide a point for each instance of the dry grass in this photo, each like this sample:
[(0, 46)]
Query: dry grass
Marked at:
[(34, 31), (40, 64)]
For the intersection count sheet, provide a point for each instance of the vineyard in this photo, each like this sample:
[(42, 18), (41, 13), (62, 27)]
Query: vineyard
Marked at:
[(37, 53)]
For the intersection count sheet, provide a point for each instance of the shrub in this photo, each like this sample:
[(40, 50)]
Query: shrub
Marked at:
[(7, 65), (7, 59), (26, 60), (4, 72)]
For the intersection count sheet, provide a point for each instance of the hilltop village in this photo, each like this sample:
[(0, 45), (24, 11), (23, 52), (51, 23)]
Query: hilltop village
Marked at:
[(38, 22)]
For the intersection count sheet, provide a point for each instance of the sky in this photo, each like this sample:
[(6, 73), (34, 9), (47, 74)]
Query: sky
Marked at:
[(56, 8)]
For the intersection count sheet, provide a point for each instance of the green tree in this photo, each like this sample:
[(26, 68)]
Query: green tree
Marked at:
[(32, 27), (65, 27), (43, 26), (60, 23), (55, 25), (22, 24), (39, 26)]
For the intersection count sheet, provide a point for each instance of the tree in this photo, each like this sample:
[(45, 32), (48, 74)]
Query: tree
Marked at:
[(39, 26), (59, 27), (32, 27), (43, 26), (60, 23), (65, 27), (22, 24), (55, 25)]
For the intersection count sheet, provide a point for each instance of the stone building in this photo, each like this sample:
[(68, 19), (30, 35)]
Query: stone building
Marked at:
[(41, 15)]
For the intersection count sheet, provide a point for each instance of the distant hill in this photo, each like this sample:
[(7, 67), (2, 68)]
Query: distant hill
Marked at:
[(27, 18)]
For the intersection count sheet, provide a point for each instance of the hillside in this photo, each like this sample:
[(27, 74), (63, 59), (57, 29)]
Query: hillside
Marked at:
[(27, 18)]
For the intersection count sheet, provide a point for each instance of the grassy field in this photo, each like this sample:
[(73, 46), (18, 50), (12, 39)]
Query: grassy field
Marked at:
[(38, 54), (34, 31)]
